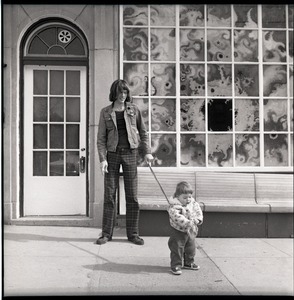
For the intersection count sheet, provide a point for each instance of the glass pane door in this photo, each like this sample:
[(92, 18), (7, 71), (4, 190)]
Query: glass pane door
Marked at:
[(55, 159), (56, 122)]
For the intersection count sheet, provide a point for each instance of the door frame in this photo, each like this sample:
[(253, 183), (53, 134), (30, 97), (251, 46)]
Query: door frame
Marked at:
[(72, 61)]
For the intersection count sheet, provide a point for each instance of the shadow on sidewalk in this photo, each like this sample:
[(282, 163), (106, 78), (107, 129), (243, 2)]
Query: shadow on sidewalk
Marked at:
[(127, 268), (27, 237), (107, 265)]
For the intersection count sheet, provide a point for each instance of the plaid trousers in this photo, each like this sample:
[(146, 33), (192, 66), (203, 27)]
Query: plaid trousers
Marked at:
[(128, 159)]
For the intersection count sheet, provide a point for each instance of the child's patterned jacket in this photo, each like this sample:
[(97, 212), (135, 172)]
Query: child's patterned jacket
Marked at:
[(185, 218)]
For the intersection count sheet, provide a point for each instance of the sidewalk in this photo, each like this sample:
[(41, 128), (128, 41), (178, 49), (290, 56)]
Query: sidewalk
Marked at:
[(65, 261)]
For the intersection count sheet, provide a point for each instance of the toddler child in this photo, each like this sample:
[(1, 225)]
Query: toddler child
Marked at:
[(184, 216)]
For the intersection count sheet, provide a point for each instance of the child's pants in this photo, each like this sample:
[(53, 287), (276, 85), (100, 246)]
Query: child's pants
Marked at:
[(182, 248)]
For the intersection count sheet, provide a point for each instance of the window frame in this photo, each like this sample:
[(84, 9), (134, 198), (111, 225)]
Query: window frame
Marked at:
[(260, 98)]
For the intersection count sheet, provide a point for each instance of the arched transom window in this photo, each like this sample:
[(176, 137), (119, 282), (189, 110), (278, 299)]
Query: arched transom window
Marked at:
[(55, 40)]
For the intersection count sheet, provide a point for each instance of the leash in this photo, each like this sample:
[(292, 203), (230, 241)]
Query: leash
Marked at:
[(149, 164)]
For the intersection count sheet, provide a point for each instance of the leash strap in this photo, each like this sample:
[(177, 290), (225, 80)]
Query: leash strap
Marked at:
[(149, 164)]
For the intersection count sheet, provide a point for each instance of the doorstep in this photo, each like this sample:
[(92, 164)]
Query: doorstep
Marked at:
[(71, 221)]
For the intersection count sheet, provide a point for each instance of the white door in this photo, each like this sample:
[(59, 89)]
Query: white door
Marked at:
[(54, 140)]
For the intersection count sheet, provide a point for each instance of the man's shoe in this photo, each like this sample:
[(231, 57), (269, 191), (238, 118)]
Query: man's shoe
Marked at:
[(176, 270), (192, 266), (102, 240), (136, 240)]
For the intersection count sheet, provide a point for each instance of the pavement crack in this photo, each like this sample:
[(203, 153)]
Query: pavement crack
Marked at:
[(276, 248), (95, 274), (204, 252), (80, 248)]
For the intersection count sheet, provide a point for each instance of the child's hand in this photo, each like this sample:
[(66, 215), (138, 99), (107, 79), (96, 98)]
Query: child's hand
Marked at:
[(195, 221), (190, 224), (192, 231)]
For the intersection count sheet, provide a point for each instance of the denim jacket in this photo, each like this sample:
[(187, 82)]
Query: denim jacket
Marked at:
[(107, 138)]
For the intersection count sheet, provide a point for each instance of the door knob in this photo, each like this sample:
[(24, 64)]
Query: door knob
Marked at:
[(82, 164)]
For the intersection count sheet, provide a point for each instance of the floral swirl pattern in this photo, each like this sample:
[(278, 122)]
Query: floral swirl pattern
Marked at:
[(245, 16), (163, 80), (220, 150), (275, 115), (135, 44), (193, 150), (163, 147), (162, 15), (246, 114), (247, 150), (163, 115), (246, 80), (137, 77), (162, 44), (192, 15), (219, 80), (274, 81), (246, 45), (273, 16), (275, 149), (143, 106), (192, 114), (219, 15), (192, 80), (274, 46), (218, 45), (192, 44), (291, 46), (135, 15), (182, 63)]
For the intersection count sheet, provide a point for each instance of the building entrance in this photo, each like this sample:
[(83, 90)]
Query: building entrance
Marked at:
[(54, 140)]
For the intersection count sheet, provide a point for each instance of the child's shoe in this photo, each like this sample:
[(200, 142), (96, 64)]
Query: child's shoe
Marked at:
[(192, 266), (176, 270)]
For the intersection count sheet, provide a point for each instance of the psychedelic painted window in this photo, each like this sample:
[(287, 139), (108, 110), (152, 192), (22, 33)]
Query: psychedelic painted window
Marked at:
[(214, 82)]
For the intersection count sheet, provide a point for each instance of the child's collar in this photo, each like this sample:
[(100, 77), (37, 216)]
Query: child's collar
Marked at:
[(174, 201)]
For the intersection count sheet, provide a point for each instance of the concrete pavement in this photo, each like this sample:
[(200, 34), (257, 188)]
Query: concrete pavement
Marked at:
[(48, 260)]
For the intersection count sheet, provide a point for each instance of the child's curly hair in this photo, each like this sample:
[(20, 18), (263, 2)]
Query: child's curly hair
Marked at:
[(183, 187)]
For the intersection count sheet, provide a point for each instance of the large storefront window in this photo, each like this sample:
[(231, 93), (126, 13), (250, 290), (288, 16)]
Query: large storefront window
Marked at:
[(214, 82)]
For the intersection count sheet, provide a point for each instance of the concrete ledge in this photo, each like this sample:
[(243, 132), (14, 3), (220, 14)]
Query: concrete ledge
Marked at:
[(72, 221), (223, 192), (275, 190), (280, 225), (154, 223), (281, 207), (218, 206), (223, 224), (233, 225), (153, 204)]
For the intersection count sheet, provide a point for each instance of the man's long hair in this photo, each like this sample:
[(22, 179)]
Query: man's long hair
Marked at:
[(117, 87)]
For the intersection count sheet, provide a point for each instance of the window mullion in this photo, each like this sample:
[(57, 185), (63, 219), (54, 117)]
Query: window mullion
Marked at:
[(206, 90), (178, 85), (260, 64), (149, 77), (290, 150), (233, 89), (121, 28)]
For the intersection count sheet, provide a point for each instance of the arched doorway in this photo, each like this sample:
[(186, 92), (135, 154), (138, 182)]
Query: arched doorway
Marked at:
[(54, 67)]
